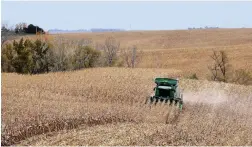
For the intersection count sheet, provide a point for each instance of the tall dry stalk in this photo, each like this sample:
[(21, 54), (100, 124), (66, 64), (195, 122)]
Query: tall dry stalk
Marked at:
[(114, 97)]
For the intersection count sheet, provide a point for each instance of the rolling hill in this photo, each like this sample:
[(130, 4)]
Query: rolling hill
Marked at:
[(105, 106)]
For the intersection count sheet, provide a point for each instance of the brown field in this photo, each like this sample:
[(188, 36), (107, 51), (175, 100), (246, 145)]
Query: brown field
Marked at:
[(105, 106), (185, 50)]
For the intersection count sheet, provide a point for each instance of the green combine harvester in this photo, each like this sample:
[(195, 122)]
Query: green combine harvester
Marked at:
[(166, 91)]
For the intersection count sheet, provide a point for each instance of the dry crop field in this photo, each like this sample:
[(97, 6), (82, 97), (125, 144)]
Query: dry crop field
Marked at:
[(105, 106), (185, 50)]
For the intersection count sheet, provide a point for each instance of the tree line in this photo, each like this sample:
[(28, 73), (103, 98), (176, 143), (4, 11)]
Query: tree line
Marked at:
[(28, 56), (28, 29), (10, 33), (22, 28)]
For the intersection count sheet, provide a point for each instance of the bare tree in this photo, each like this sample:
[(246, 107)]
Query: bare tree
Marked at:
[(131, 56), (6, 34), (219, 69), (110, 49), (64, 49), (20, 27)]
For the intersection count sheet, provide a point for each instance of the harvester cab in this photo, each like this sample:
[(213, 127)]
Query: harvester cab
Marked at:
[(166, 90)]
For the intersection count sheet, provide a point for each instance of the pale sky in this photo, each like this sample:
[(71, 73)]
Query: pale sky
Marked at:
[(122, 15)]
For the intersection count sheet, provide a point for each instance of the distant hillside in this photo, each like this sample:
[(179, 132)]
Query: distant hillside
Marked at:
[(56, 31)]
